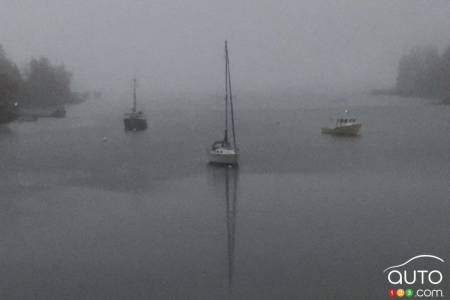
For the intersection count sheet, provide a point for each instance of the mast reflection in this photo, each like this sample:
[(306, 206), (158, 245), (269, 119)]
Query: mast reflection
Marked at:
[(228, 178), (231, 179)]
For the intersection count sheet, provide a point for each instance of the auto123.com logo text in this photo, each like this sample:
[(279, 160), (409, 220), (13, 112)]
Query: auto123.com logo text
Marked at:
[(407, 280)]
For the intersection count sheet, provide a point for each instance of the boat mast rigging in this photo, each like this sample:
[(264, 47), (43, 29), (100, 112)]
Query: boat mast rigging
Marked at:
[(134, 95), (228, 98), (225, 139)]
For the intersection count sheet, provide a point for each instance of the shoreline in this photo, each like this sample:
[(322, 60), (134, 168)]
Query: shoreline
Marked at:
[(443, 99)]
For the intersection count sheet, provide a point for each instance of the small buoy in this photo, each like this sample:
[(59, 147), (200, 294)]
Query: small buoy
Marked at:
[(104, 139)]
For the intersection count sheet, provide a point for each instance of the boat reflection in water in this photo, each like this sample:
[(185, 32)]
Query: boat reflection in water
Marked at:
[(231, 179), (228, 177)]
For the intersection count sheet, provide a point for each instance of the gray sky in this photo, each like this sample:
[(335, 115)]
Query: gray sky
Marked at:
[(176, 46)]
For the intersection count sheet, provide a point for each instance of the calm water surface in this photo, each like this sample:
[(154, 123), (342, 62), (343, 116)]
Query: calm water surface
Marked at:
[(88, 211)]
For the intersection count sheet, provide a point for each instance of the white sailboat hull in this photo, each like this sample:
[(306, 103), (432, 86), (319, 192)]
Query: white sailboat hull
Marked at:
[(226, 158)]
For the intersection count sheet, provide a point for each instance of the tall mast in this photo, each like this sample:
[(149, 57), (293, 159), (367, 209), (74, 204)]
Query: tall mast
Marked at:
[(230, 95), (226, 93), (134, 95)]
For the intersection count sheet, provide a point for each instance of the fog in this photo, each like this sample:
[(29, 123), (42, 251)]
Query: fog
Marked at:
[(176, 47)]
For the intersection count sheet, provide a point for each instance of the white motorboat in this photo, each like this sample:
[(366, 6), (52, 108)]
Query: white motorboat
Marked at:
[(345, 125)]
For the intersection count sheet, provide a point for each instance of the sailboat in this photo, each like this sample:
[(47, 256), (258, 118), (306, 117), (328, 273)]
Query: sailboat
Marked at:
[(226, 151), (134, 120)]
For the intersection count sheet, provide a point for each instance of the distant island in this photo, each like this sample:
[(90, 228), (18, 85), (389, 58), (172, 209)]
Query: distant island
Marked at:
[(424, 72), (41, 85)]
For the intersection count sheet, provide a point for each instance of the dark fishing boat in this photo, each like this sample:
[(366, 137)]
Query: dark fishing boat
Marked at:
[(226, 151), (135, 120), (58, 113)]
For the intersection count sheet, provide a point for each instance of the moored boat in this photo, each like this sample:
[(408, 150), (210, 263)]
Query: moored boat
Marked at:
[(346, 125), (135, 120), (58, 113), (225, 151)]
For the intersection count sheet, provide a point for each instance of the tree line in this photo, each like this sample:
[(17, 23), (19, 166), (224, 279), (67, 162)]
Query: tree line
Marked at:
[(40, 84), (424, 72)]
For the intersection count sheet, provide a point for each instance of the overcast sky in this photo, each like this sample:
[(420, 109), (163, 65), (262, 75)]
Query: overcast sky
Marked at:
[(177, 45)]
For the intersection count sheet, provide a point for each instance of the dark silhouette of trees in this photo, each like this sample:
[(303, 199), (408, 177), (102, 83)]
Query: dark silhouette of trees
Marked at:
[(46, 84), (424, 73), (10, 84), (42, 84), (444, 74), (10, 80)]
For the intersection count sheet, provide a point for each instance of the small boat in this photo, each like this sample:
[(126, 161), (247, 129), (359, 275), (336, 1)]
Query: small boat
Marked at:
[(343, 126), (225, 151), (58, 113), (134, 120), (27, 118)]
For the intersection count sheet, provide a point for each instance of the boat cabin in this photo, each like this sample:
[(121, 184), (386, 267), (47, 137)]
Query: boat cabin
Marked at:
[(221, 144), (345, 121)]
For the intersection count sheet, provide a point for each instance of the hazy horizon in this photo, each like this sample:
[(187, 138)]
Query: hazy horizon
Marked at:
[(176, 47)]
